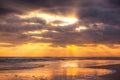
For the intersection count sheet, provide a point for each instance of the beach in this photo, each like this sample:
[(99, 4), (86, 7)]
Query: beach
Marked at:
[(59, 69), (113, 76)]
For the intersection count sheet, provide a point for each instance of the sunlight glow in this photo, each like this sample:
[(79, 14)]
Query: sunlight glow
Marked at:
[(80, 28), (35, 32), (72, 47), (51, 19), (69, 64)]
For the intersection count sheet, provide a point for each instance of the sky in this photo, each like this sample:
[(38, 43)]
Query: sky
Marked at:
[(60, 28)]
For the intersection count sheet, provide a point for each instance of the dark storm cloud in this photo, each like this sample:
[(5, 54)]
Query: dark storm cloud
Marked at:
[(115, 3), (15, 38), (89, 12), (99, 15), (5, 11), (100, 36), (26, 5), (14, 24), (14, 29)]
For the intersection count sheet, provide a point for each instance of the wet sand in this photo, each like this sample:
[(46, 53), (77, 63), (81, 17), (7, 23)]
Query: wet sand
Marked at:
[(58, 69), (113, 76)]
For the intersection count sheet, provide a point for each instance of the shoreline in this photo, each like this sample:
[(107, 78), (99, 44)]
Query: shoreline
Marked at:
[(112, 76)]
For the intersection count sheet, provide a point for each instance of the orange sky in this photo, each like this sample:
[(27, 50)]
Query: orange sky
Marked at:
[(44, 50)]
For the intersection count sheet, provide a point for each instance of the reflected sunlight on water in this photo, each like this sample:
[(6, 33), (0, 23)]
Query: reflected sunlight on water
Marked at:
[(57, 70)]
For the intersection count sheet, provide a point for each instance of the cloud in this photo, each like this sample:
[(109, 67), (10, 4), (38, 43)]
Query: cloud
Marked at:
[(6, 45), (5, 11), (90, 36), (100, 17), (114, 3)]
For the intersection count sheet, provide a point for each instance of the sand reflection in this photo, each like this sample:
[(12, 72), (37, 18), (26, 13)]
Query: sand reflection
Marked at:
[(58, 70)]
